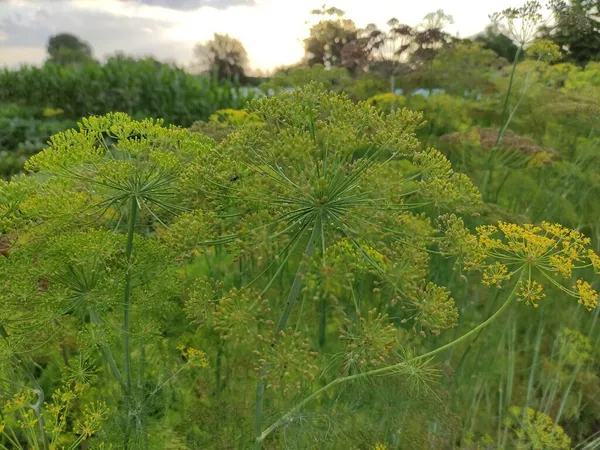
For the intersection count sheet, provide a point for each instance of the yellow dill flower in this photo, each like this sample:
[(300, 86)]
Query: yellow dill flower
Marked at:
[(595, 260), (380, 446), (545, 50), (530, 292), (193, 355), (551, 250), (562, 264), (588, 297), (495, 274)]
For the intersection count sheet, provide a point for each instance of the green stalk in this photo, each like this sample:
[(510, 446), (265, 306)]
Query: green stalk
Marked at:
[(488, 172), (381, 371), (292, 297), (133, 208), (323, 321), (508, 92), (108, 354)]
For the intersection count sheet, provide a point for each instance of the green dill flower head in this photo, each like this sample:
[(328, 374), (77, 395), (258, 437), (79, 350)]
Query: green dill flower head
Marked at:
[(574, 348), (521, 23), (320, 170), (435, 309), (238, 314), (371, 341), (108, 162), (536, 430), (545, 50), (292, 363)]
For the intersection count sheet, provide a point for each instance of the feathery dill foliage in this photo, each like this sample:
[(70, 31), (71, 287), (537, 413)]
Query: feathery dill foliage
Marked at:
[(272, 290), (88, 289)]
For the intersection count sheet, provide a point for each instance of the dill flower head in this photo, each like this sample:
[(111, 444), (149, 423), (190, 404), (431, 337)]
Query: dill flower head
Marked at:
[(339, 180), (536, 430), (531, 292), (292, 362), (436, 310), (587, 296), (547, 254), (545, 50), (575, 348), (370, 341), (237, 313)]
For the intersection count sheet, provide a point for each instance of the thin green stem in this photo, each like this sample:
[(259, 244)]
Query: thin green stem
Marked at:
[(382, 371), (488, 173), (133, 209), (508, 92), (108, 354), (292, 297)]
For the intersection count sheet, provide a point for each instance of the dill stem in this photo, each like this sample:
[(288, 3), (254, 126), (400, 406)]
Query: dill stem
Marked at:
[(127, 301), (503, 118), (133, 209), (503, 121), (292, 297), (108, 354), (383, 370)]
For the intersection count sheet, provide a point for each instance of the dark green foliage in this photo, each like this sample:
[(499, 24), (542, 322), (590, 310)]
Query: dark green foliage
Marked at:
[(66, 49), (502, 45), (24, 132), (141, 88), (577, 31)]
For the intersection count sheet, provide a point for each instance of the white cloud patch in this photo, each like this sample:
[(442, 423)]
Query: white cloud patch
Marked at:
[(29, 25), (189, 5)]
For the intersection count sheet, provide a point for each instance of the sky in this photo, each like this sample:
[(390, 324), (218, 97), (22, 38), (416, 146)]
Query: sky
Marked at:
[(271, 30)]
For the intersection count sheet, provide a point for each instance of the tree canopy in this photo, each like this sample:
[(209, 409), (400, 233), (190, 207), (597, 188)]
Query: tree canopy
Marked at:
[(66, 49), (224, 56), (576, 30)]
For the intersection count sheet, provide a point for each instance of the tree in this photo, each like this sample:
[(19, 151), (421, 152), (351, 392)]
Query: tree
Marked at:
[(390, 52), (337, 42), (223, 56), (576, 30), (492, 39), (67, 49), (428, 38)]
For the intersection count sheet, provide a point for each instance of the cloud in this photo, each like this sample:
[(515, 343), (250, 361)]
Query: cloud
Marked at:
[(189, 5), (28, 25)]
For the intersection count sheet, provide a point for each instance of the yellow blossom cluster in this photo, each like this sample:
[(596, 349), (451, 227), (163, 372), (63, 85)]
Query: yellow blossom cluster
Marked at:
[(193, 355), (588, 297), (550, 251), (531, 292)]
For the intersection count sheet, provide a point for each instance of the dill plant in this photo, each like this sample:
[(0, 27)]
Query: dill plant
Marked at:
[(298, 254), (85, 271), (338, 200)]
